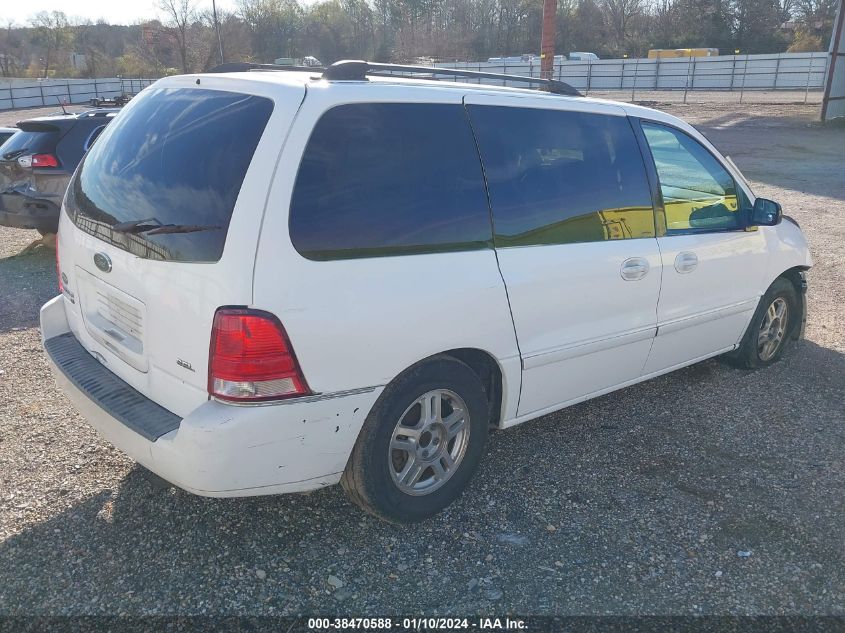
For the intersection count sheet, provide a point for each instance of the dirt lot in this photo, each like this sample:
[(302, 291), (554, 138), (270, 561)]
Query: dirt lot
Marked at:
[(635, 503)]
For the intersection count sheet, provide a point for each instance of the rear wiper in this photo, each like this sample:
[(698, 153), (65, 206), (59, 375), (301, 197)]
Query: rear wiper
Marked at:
[(136, 226), (14, 154), (179, 228), (152, 226)]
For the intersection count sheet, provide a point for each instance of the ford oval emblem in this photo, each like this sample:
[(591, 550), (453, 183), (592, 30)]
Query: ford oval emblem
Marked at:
[(103, 262)]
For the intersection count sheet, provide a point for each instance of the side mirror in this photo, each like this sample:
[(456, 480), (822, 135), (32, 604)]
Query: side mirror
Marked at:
[(766, 213)]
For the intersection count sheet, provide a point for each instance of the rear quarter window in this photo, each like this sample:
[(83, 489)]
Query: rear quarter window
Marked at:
[(162, 179), (379, 179)]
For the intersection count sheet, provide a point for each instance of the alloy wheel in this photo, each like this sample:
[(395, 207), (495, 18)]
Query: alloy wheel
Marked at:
[(773, 329), (429, 442)]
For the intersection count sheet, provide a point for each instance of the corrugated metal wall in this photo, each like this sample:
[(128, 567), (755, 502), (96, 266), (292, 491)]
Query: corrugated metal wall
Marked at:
[(785, 71), (26, 93)]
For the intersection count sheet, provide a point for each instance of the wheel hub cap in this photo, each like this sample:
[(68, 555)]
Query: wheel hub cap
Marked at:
[(773, 329), (429, 442)]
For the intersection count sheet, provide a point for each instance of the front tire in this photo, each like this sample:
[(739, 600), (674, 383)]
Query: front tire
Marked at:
[(421, 443), (771, 328)]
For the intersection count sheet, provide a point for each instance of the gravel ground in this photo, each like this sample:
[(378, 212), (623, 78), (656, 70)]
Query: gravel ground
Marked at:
[(711, 490)]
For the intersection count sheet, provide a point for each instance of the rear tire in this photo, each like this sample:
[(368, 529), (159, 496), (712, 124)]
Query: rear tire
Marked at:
[(421, 443), (771, 329)]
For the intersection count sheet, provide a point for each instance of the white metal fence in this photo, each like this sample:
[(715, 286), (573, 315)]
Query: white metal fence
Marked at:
[(784, 71), (27, 93), (740, 73)]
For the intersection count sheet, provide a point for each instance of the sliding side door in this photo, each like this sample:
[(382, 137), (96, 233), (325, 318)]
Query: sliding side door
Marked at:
[(575, 238)]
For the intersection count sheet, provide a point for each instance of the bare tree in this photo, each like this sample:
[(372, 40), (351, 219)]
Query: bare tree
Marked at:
[(275, 26), (52, 34), (619, 14), (401, 30), (816, 10), (180, 14), (10, 46), (93, 41)]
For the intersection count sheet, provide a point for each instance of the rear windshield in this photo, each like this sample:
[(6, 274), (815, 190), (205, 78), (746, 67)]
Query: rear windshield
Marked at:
[(30, 143), (163, 178)]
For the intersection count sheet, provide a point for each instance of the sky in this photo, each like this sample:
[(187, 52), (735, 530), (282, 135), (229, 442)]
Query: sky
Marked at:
[(113, 11)]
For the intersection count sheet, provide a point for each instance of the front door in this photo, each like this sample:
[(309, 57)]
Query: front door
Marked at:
[(575, 239), (712, 266)]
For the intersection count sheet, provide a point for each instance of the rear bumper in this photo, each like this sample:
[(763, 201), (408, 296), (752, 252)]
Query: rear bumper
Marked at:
[(218, 450), (24, 212)]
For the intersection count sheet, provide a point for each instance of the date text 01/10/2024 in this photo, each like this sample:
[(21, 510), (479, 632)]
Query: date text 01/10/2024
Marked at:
[(418, 624)]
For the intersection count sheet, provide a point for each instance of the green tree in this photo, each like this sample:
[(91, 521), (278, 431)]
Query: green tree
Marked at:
[(179, 15)]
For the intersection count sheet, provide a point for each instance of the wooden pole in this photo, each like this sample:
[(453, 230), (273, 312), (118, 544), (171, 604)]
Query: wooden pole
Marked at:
[(547, 41)]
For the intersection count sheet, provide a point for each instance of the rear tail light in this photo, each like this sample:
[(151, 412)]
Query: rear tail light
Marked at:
[(44, 160), (251, 358)]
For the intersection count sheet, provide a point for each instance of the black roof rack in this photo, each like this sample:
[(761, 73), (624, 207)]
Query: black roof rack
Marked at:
[(354, 69), (359, 70), (239, 67)]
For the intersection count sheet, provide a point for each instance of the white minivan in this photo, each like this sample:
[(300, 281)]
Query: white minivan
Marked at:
[(274, 281)]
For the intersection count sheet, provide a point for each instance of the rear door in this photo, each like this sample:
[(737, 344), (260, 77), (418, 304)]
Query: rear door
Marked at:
[(574, 234), (162, 223)]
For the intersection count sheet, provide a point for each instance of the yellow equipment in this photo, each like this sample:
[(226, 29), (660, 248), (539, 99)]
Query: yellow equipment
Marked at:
[(656, 53)]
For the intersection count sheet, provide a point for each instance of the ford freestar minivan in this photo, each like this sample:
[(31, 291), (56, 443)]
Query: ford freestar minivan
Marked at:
[(277, 281)]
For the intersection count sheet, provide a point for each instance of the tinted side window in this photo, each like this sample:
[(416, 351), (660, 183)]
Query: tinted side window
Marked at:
[(389, 179), (698, 193), (559, 177)]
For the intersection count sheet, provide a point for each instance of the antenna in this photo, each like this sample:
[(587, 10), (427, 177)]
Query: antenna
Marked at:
[(62, 103)]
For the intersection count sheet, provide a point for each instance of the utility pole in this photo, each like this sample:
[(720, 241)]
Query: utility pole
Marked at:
[(833, 101), (217, 28), (547, 41)]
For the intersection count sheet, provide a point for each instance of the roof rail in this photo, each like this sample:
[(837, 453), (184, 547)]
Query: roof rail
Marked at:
[(239, 67), (99, 112), (349, 69)]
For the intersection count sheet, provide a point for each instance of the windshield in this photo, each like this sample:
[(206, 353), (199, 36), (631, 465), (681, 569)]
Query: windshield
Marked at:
[(175, 158)]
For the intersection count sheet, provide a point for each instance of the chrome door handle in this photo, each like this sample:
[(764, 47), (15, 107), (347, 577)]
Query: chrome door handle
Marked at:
[(634, 268), (686, 262)]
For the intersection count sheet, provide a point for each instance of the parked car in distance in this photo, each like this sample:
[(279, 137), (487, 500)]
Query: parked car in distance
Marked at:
[(530, 58), (6, 133), (583, 57), (37, 163), (276, 281), (308, 61)]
